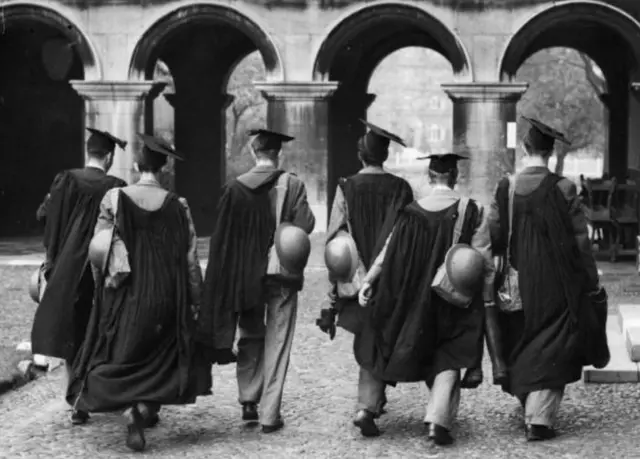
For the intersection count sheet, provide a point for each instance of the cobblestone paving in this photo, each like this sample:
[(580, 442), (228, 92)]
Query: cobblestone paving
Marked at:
[(595, 421)]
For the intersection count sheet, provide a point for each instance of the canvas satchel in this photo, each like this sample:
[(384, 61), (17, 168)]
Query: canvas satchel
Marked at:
[(508, 295), (441, 283)]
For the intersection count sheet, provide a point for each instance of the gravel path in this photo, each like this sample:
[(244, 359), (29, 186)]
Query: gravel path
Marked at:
[(596, 421)]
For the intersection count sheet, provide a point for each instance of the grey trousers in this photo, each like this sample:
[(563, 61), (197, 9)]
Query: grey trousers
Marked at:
[(444, 399), (541, 407), (370, 392), (264, 349)]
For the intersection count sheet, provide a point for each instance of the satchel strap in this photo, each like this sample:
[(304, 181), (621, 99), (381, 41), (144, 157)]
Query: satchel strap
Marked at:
[(282, 186), (341, 183), (512, 193), (463, 203)]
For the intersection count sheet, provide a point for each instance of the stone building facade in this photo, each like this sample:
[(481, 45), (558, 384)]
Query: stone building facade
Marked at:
[(74, 63)]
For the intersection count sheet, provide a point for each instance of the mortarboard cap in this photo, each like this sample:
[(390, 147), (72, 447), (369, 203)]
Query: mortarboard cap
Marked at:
[(374, 145), (380, 136), (159, 146), (443, 162), (541, 136), (103, 142), (266, 140)]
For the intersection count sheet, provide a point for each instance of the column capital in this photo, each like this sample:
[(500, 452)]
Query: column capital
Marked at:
[(117, 90), (353, 99), (225, 100), (482, 92), (300, 91)]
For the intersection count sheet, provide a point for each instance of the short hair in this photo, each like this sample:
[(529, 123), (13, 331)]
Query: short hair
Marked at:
[(536, 151), (263, 150), (99, 153), (434, 176), (150, 161)]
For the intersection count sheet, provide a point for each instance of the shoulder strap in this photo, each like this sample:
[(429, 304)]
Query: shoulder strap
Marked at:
[(282, 186), (342, 181), (463, 203), (512, 193)]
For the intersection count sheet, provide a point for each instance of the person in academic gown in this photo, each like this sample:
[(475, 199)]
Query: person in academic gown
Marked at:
[(551, 252), (140, 350), (243, 280), (362, 203), (70, 211), (411, 334)]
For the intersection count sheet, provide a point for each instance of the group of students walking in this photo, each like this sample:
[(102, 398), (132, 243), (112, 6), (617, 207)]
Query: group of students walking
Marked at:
[(141, 327), (539, 305)]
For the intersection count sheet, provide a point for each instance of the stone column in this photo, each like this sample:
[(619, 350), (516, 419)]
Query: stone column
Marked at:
[(118, 107), (607, 102), (346, 108), (302, 110), (200, 136), (481, 112)]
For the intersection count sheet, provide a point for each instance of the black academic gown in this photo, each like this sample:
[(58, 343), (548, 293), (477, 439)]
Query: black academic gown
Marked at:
[(372, 200), (542, 343), (72, 210), (411, 334), (140, 343), (238, 256)]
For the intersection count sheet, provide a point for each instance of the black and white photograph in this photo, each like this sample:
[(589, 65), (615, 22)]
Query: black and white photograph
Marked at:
[(320, 229)]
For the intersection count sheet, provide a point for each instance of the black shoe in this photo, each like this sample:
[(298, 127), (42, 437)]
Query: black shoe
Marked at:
[(472, 378), (539, 432), (135, 431), (249, 412), (151, 421), (439, 435), (79, 418), (367, 424), (273, 428)]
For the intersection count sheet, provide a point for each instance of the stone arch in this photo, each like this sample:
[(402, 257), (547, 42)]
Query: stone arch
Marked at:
[(608, 35), (436, 35), (197, 12), (530, 36), (56, 18)]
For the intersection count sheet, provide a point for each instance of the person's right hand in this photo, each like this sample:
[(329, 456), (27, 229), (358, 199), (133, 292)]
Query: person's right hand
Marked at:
[(365, 294), (333, 296)]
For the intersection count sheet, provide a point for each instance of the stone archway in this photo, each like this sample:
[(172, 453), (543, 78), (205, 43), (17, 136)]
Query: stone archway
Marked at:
[(352, 49), (145, 52), (610, 37), (41, 116), (201, 43)]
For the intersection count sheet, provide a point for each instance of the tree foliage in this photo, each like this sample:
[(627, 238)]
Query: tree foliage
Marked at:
[(248, 110), (564, 92)]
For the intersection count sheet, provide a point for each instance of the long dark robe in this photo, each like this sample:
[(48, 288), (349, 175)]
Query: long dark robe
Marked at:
[(542, 342), (238, 256), (372, 200), (61, 318), (410, 333), (140, 343)]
